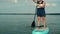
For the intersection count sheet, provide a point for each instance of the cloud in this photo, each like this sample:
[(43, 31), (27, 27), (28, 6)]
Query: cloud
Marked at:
[(14, 1), (26, 1), (51, 0), (51, 4)]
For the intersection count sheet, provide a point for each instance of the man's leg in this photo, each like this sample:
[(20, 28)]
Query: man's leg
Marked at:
[(44, 21), (38, 21)]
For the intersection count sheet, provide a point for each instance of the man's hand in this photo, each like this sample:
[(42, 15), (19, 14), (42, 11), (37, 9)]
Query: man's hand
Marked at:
[(37, 5)]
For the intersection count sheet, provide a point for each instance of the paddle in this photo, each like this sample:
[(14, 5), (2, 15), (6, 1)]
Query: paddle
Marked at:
[(33, 23)]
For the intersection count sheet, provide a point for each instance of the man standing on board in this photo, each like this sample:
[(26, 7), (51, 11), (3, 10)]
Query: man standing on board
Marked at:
[(40, 4)]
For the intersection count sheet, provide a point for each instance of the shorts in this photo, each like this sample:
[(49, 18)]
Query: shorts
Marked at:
[(40, 12)]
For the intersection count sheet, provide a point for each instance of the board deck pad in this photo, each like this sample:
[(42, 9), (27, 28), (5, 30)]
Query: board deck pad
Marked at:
[(36, 30)]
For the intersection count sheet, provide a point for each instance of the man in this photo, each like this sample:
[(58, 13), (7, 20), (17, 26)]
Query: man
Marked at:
[(40, 11)]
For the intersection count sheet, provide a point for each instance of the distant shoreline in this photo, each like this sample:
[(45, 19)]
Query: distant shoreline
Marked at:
[(27, 13)]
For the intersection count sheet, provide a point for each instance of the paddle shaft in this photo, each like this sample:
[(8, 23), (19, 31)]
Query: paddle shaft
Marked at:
[(35, 10), (35, 13)]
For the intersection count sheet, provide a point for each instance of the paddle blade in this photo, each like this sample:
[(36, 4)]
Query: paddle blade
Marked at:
[(33, 24)]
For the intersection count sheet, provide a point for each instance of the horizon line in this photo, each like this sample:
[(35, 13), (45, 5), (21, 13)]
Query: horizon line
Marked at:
[(27, 13)]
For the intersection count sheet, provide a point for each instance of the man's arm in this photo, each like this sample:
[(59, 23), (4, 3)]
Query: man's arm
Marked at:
[(44, 4)]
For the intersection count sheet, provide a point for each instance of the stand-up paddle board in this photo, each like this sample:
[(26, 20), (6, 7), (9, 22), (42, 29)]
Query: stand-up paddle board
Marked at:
[(40, 30)]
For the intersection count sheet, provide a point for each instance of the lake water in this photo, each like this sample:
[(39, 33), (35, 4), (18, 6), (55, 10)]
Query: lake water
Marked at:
[(20, 24)]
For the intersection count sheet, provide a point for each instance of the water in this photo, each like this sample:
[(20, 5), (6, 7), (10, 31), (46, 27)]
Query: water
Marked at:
[(20, 24)]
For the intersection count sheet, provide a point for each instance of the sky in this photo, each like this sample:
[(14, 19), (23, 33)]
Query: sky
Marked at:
[(27, 6)]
